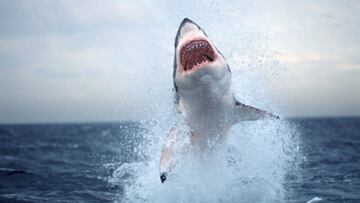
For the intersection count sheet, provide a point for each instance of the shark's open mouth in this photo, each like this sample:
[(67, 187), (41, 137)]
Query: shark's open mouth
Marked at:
[(195, 53)]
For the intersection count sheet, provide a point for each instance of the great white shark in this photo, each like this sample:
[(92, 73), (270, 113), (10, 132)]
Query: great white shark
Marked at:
[(202, 80)]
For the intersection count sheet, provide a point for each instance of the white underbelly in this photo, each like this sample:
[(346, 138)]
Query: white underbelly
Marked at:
[(209, 121)]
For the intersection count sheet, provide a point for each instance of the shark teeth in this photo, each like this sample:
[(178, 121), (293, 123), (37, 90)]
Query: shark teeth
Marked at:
[(196, 53)]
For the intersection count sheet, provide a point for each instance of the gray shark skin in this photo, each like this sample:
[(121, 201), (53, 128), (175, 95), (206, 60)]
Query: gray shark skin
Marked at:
[(202, 80)]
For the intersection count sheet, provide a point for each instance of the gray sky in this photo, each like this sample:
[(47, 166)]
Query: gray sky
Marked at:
[(94, 60)]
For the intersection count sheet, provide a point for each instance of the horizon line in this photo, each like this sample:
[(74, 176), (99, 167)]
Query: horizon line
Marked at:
[(139, 120)]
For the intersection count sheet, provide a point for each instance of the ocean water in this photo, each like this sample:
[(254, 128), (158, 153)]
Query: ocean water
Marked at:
[(296, 160)]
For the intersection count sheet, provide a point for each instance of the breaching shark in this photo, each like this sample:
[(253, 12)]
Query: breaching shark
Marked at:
[(202, 80)]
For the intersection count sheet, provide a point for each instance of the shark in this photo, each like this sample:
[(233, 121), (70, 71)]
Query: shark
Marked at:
[(202, 87)]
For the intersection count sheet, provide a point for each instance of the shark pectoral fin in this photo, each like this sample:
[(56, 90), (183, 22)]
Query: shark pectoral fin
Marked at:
[(169, 155), (244, 112), (167, 162), (176, 144)]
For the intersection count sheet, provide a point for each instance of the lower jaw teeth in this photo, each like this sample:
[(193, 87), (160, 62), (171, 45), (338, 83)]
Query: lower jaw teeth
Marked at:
[(192, 66)]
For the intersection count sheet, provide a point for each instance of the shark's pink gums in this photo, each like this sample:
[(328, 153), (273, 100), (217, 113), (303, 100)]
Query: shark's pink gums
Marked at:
[(196, 52)]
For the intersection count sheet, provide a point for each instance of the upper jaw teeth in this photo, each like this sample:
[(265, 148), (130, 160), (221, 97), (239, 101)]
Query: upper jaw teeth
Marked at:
[(195, 45)]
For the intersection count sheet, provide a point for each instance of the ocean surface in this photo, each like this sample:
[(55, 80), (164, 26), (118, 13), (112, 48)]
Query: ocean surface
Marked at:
[(85, 163)]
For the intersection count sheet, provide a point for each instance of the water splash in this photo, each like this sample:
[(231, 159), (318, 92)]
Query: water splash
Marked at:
[(315, 199), (251, 167), (253, 164)]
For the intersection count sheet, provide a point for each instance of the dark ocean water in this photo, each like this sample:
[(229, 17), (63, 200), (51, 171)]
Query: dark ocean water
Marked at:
[(70, 163)]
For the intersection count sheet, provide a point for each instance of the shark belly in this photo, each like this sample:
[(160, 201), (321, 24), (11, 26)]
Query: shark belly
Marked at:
[(209, 116)]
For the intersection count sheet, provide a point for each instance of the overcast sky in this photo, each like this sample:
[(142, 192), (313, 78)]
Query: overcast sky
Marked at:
[(64, 61)]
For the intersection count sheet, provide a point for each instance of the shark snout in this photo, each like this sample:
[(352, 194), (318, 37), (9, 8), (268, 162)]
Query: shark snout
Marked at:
[(188, 25)]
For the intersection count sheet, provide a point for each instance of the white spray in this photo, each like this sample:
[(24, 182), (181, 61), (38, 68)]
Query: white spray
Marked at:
[(257, 156)]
